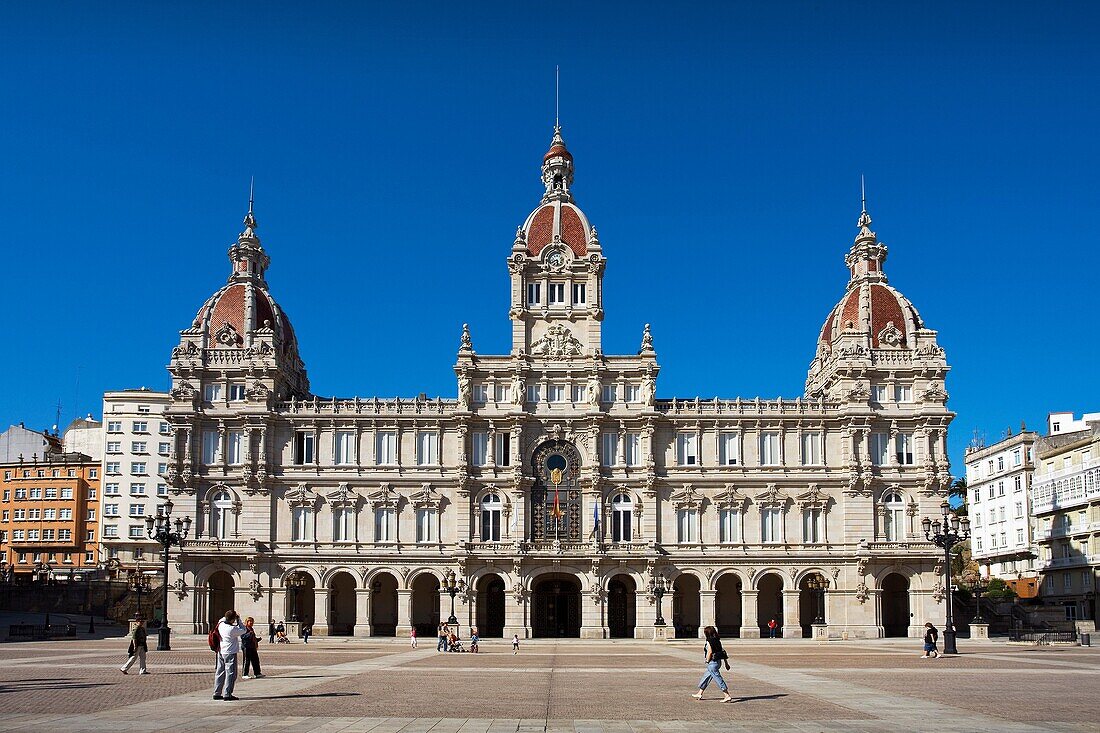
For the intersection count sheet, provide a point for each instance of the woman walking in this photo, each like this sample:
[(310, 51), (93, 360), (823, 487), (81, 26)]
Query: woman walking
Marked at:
[(412, 636), (931, 635), (138, 648), (249, 644), (715, 656)]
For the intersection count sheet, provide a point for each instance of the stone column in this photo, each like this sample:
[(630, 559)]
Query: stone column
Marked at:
[(645, 613), (750, 623), (362, 612), (708, 614), (593, 616), (792, 628), (321, 611), (404, 610), (516, 615)]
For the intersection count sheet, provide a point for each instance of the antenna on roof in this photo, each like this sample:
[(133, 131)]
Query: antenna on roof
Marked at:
[(557, 86), (57, 420), (251, 188), (862, 193)]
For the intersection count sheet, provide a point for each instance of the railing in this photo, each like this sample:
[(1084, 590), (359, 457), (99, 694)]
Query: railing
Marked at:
[(699, 406), (1043, 637), (369, 406)]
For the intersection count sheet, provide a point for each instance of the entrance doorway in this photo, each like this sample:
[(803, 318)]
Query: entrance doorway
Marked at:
[(556, 607), (895, 605), (383, 605), (341, 617), (490, 607), (811, 604), (685, 606), (727, 613), (769, 604), (425, 605), (621, 607), (219, 597)]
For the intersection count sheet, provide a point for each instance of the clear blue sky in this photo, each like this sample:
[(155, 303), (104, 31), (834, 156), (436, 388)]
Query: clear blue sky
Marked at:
[(396, 148)]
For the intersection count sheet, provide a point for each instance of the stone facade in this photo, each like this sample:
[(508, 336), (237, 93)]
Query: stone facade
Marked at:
[(557, 487)]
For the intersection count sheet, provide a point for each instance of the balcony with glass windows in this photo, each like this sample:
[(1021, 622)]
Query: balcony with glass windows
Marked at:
[(1067, 487)]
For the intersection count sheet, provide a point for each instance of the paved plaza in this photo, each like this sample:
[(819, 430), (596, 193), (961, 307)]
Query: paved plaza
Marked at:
[(382, 686)]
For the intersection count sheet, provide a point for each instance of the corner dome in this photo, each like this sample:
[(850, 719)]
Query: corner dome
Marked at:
[(557, 220), (875, 310), (238, 311)]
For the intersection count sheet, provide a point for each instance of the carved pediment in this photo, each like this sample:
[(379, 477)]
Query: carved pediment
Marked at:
[(730, 498), (342, 495), (891, 335), (426, 498), (184, 391), (226, 335), (384, 497), (815, 497), (557, 343), (772, 496), (300, 495), (686, 498)]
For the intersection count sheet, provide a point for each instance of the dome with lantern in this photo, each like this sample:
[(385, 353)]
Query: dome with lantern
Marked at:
[(557, 218)]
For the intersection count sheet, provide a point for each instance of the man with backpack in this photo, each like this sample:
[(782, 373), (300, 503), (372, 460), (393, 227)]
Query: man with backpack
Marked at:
[(225, 642)]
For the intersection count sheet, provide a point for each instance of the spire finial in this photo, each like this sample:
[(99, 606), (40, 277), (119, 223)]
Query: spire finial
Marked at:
[(557, 88), (249, 218), (251, 190), (864, 222), (863, 193)]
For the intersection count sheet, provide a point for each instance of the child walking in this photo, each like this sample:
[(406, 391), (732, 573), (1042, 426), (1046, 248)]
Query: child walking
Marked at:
[(412, 636), (930, 637), (515, 643)]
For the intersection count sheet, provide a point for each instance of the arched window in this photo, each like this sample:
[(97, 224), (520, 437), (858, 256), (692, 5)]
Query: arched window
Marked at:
[(622, 511), (894, 519), (491, 509), (220, 507)]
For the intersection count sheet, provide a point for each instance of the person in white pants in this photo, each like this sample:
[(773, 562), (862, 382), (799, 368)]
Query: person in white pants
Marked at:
[(138, 648), (230, 632)]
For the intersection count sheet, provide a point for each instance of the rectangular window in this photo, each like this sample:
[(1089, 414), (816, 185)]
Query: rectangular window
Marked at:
[(500, 392), (65, 535), (49, 514), (1067, 582), (67, 514), (236, 447), (164, 448), (769, 525), (114, 446), (51, 493), (903, 446), (140, 426), (555, 393), (769, 449), (212, 392), (979, 541), (812, 533), (578, 393), (111, 490), (304, 447), (236, 392), (557, 293), (137, 532), (534, 293), (301, 524), (878, 393), (165, 429), (480, 394), (1019, 536), (727, 449), (1000, 488), (385, 448), (1019, 509), (609, 449), (137, 510), (685, 525), (479, 447), (811, 449), (729, 525), (609, 393), (687, 449), (137, 489), (425, 525), (36, 493), (211, 447), (384, 525), (114, 469), (502, 448), (47, 534), (343, 524), (93, 473), (427, 448), (632, 393), (903, 393), (534, 394), (579, 294), (633, 449), (114, 426), (162, 489), (343, 448), (880, 448)]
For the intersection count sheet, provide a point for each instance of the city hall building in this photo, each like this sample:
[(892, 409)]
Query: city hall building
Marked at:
[(559, 489)]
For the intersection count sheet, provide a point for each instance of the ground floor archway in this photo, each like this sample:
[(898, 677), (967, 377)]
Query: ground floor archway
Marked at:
[(383, 605), (811, 604), (556, 607), (300, 597), (769, 604), (490, 607), (727, 610), (341, 602), (219, 597), (685, 606), (621, 607), (894, 601), (424, 613)]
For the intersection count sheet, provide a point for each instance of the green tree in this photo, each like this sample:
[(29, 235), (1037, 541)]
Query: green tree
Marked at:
[(957, 490)]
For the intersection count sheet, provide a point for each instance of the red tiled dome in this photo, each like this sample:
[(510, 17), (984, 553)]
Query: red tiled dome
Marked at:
[(561, 218)]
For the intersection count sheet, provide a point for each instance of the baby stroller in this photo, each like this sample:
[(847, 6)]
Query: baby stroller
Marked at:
[(455, 644)]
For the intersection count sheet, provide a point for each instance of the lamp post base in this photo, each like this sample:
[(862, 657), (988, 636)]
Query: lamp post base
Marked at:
[(660, 633), (163, 635), (949, 642)]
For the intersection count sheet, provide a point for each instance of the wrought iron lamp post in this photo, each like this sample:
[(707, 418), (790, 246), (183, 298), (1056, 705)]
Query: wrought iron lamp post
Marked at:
[(818, 584), (947, 533), (295, 582), (980, 586), (139, 583), (42, 572), (450, 584), (659, 587), (159, 529)]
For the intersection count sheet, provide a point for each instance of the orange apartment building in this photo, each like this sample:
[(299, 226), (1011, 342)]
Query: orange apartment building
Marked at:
[(49, 515)]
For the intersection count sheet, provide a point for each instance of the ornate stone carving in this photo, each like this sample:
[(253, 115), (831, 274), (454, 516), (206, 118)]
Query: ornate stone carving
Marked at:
[(751, 572), (184, 390), (226, 335), (647, 341), (257, 392), (599, 595), (891, 335), (518, 389), (934, 393), (557, 343), (519, 593), (188, 349), (255, 589), (861, 567), (464, 391), (180, 588), (466, 344), (862, 593), (938, 593)]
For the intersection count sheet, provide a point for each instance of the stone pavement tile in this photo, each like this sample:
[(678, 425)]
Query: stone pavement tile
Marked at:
[(475, 725)]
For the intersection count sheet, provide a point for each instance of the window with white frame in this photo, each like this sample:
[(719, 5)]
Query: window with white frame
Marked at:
[(1000, 488), (140, 426), (479, 447), (164, 448), (578, 393), (385, 524), (579, 295), (812, 454), (502, 448), (114, 426), (212, 392), (903, 446), (115, 469), (221, 507), (729, 524), (728, 454), (610, 393), (110, 510), (137, 489), (139, 468), (480, 394), (343, 523), (622, 518), (236, 392), (137, 510), (301, 524), (236, 447), (427, 448), (771, 518), (534, 394), (343, 447), (878, 393), (880, 448), (555, 393), (534, 293), (165, 429), (385, 448), (769, 448), (1019, 536), (556, 292), (903, 393), (633, 452), (1019, 509), (686, 519), (609, 449), (687, 449), (893, 516), (491, 510), (813, 526), (211, 447), (137, 532), (1016, 457), (425, 524), (304, 447), (632, 393), (500, 392)]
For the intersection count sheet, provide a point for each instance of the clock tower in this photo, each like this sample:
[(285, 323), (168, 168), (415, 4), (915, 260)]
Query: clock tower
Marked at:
[(556, 267)]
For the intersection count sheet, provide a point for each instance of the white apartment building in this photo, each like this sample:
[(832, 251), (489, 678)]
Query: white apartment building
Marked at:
[(137, 445), (998, 478), (1066, 504)]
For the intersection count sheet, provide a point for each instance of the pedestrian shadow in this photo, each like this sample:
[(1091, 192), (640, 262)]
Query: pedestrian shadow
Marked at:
[(50, 686), (303, 695), (761, 697)]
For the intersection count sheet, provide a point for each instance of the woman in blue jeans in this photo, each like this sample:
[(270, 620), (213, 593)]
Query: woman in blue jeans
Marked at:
[(715, 657)]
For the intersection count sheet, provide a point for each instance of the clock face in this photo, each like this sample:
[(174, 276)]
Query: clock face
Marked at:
[(556, 259)]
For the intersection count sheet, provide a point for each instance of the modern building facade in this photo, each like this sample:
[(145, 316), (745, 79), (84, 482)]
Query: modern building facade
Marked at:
[(998, 479), (136, 448), (557, 487), (1066, 504)]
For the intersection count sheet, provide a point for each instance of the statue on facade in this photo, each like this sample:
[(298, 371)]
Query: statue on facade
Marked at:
[(463, 392), (649, 390), (518, 390), (594, 391)]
